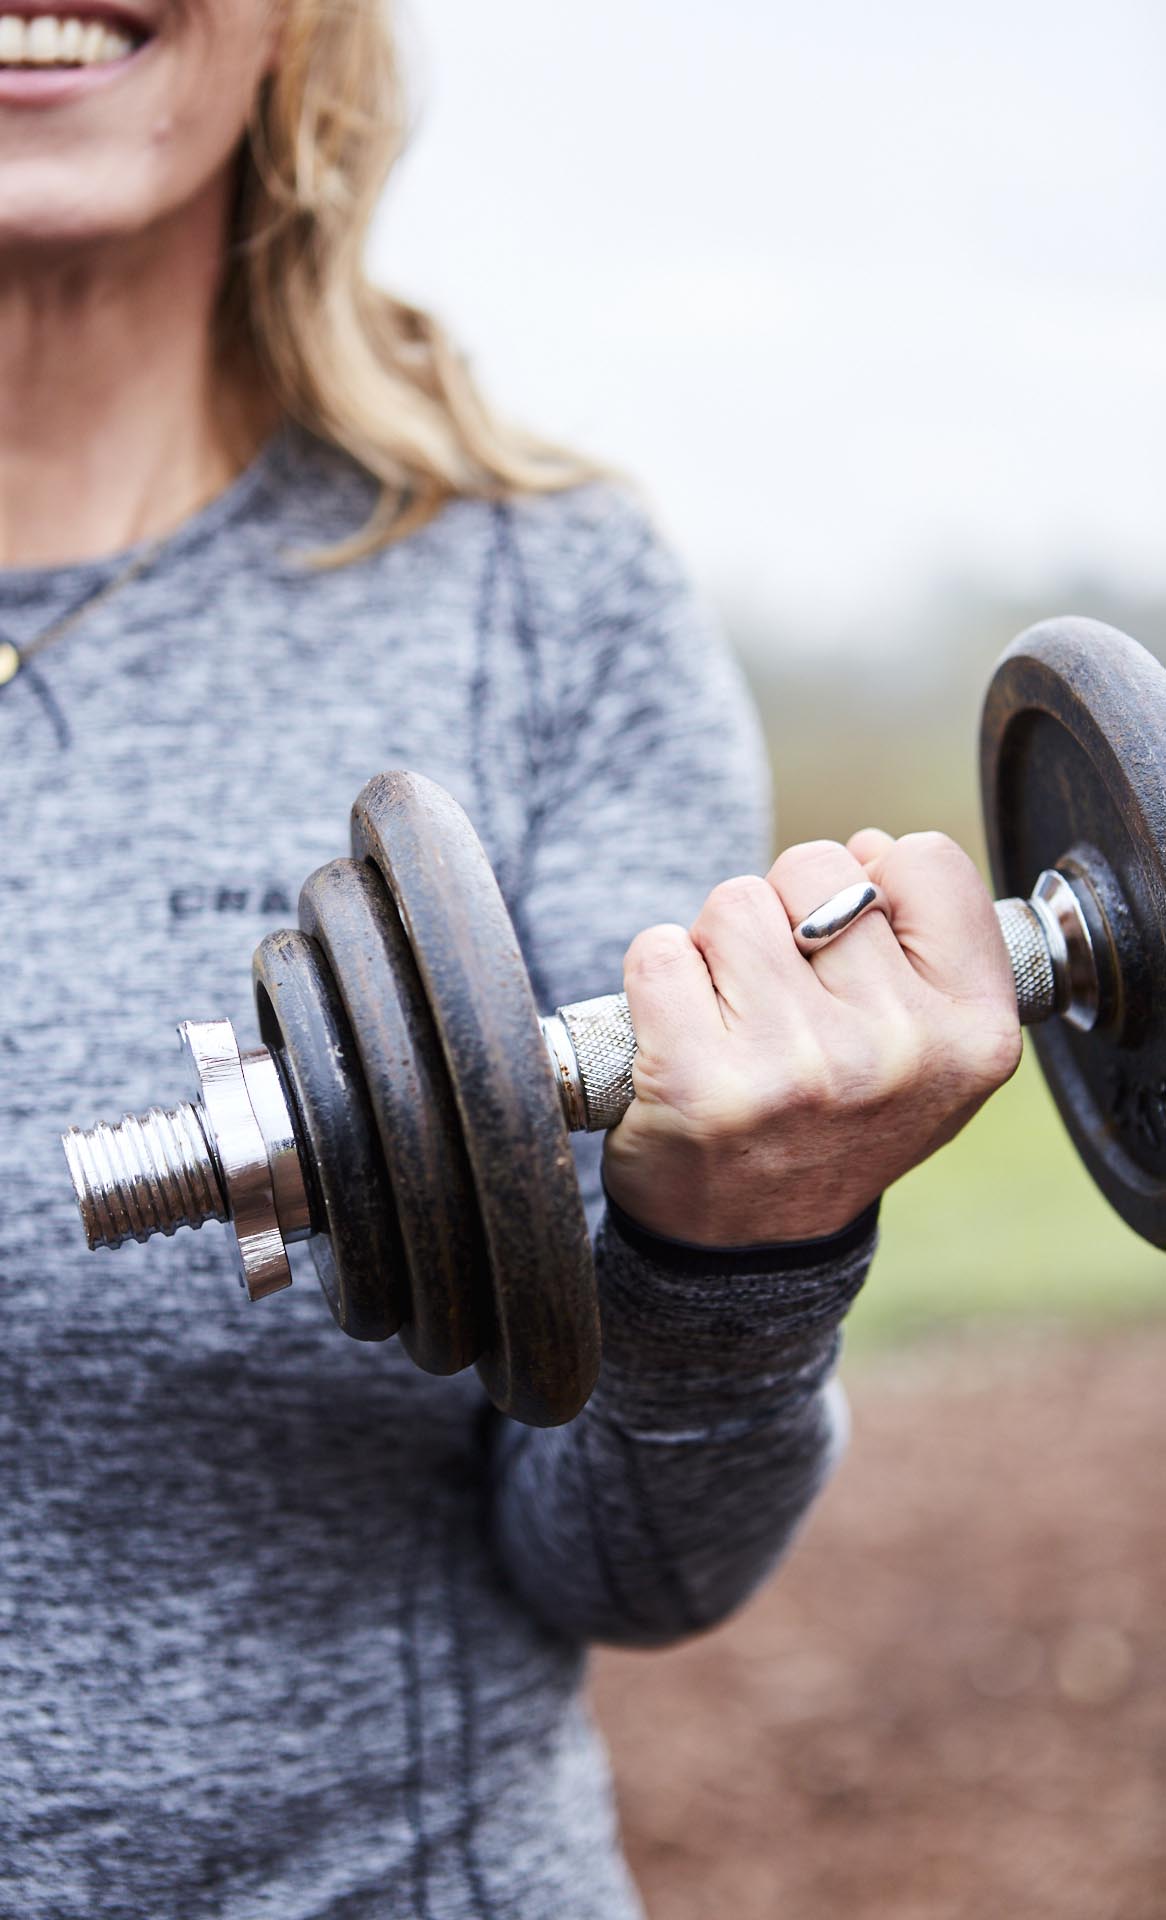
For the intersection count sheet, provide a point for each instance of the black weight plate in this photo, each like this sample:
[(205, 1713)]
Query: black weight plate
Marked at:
[(544, 1359), (357, 1249), (1073, 768), (345, 907)]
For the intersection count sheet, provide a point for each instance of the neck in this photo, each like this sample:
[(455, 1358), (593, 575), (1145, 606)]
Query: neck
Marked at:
[(116, 422)]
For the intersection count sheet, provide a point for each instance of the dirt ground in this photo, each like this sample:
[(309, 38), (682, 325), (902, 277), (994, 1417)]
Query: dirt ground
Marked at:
[(951, 1703)]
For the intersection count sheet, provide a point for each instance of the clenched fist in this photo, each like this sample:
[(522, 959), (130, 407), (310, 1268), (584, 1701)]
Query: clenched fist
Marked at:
[(777, 1096)]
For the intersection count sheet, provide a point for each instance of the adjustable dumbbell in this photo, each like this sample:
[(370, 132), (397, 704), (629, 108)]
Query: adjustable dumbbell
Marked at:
[(408, 1112)]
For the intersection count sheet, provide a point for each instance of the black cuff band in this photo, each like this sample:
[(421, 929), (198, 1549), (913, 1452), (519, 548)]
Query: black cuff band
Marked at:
[(782, 1256)]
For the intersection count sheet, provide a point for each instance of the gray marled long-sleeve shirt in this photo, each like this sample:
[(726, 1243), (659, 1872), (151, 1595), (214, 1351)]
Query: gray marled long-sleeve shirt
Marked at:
[(289, 1629)]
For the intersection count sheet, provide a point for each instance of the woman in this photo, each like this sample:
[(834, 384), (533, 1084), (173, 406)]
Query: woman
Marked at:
[(293, 1629)]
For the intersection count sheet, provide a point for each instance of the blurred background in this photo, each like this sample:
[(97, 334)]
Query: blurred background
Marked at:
[(871, 302)]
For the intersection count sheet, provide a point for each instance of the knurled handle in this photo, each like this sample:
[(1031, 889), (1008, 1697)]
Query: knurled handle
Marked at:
[(603, 1042), (595, 1068), (1032, 961)]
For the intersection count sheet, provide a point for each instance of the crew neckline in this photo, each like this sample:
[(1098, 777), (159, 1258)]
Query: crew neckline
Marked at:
[(22, 583)]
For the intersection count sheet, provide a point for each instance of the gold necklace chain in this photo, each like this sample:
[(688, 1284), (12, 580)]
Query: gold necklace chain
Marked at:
[(13, 658)]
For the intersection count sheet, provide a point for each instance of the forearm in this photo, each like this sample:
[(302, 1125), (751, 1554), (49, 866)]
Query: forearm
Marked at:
[(714, 1425), (682, 1482)]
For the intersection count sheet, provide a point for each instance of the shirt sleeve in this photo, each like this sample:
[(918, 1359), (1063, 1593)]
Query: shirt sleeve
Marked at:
[(715, 1421)]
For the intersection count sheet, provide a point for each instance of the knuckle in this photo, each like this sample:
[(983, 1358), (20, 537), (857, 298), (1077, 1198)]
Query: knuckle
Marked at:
[(888, 1078), (736, 1099), (807, 853), (929, 840), (706, 1107), (737, 1106), (655, 951), (899, 1055), (869, 843), (884, 1066), (976, 1047), (741, 890), (809, 1083), (993, 1053), (933, 848), (814, 849)]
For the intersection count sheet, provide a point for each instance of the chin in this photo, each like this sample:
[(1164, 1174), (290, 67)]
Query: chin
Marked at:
[(51, 206), (47, 226)]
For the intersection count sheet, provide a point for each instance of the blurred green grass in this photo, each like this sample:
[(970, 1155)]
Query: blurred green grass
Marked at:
[(1004, 1224)]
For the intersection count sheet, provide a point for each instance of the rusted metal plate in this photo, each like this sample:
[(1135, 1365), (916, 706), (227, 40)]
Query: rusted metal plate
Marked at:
[(1073, 768), (345, 907), (356, 1247), (544, 1356)]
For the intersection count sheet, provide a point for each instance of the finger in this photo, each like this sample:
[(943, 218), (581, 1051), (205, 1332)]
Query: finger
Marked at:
[(944, 917), (869, 845), (862, 964), (672, 1002), (743, 932)]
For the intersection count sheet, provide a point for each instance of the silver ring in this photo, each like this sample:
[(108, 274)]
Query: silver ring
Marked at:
[(835, 915)]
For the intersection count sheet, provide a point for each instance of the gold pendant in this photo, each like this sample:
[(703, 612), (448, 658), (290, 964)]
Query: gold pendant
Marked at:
[(9, 662)]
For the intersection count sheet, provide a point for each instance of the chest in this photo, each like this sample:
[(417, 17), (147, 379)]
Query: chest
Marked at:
[(159, 812), (164, 794)]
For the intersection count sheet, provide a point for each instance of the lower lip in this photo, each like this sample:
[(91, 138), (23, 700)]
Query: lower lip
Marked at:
[(55, 86)]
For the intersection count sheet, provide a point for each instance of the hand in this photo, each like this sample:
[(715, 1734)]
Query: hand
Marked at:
[(776, 1096)]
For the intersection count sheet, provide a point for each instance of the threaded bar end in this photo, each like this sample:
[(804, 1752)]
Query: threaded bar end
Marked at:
[(151, 1173)]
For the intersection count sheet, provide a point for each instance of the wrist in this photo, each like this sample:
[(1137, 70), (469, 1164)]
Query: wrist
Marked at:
[(677, 1254), (704, 1203)]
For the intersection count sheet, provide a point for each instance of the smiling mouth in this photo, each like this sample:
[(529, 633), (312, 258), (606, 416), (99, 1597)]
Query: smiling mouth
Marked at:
[(50, 40)]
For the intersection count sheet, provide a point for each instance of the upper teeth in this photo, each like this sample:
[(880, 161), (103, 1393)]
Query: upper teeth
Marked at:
[(50, 40)]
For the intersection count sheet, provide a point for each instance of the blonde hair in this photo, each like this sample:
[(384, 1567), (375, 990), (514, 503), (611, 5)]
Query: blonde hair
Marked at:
[(360, 368)]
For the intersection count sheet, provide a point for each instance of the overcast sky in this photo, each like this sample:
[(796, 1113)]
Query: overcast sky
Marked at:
[(863, 295)]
